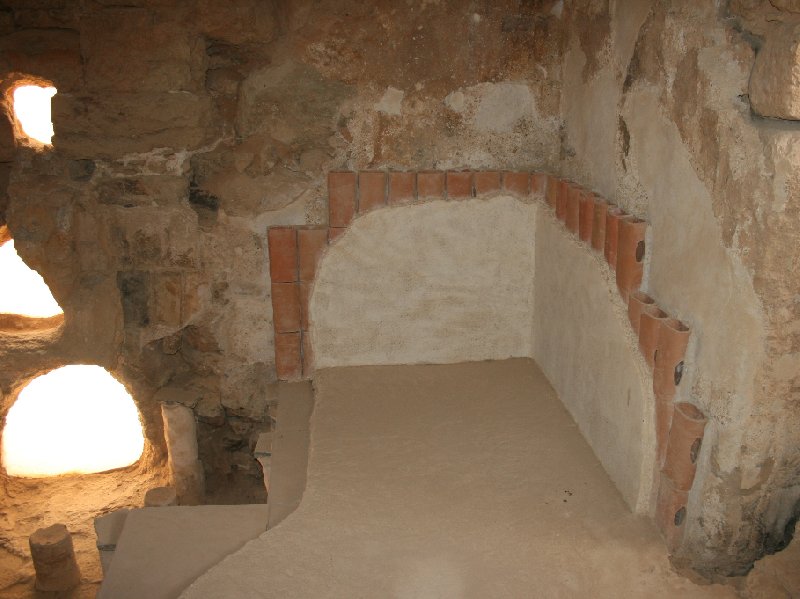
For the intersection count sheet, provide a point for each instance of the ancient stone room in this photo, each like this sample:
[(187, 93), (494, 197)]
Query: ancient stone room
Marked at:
[(404, 299)]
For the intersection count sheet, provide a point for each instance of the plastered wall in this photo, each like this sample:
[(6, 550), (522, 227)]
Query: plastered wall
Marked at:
[(440, 282), (584, 344), (663, 89)]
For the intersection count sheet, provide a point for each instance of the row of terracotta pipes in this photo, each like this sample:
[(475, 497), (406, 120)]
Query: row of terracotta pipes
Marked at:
[(680, 426)]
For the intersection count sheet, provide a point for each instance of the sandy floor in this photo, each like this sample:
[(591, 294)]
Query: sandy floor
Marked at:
[(29, 504), (467, 480)]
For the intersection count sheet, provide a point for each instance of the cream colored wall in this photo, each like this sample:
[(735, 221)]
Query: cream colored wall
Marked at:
[(585, 346), (459, 281), (440, 282)]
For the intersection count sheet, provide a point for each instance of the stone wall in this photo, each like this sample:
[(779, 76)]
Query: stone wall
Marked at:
[(183, 130), (662, 88)]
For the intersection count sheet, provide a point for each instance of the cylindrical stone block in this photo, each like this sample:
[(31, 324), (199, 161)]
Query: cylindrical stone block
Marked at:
[(160, 497), (180, 433), (54, 559)]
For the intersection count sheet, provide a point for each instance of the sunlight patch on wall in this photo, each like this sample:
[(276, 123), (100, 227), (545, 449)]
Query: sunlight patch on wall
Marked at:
[(75, 419), (23, 290), (32, 109)]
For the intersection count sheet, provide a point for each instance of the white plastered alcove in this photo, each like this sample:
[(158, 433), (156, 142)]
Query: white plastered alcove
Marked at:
[(490, 279)]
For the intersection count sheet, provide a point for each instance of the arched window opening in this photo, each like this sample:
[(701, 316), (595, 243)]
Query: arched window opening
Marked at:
[(24, 291), (75, 419), (32, 111)]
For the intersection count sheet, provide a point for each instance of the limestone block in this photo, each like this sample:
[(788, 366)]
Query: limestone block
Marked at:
[(775, 80), (115, 124), (151, 237), (166, 300), (157, 55), (52, 54), (146, 190), (160, 497), (237, 21), (108, 527), (54, 559), (186, 470)]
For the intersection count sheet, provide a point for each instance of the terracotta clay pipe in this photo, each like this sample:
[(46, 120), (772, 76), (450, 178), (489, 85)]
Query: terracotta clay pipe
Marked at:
[(572, 218), (553, 189), (613, 216), (683, 448), (599, 224), (630, 255), (636, 303), (671, 512), (671, 342), (649, 329), (561, 201), (673, 338), (586, 217), (539, 184)]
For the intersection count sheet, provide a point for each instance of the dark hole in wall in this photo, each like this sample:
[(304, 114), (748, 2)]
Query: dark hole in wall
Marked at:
[(779, 544), (134, 289), (81, 170), (625, 140), (205, 204)]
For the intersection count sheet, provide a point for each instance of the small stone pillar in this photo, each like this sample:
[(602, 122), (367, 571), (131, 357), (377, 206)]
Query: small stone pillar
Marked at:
[(54, 559), (180, 432), (160, 497)]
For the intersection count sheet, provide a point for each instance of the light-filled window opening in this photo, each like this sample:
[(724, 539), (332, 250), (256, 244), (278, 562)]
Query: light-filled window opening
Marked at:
[(24, 291), (75, 419), (32, 110)]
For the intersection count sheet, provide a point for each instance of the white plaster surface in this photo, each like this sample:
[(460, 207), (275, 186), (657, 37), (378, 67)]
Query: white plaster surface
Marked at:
[(585, 347), (440, 282), (451, 481)]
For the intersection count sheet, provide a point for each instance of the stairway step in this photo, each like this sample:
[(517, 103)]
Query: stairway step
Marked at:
[(161, 551)]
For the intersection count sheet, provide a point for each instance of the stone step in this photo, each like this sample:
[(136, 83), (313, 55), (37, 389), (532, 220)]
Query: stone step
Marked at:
[(161, 551)]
